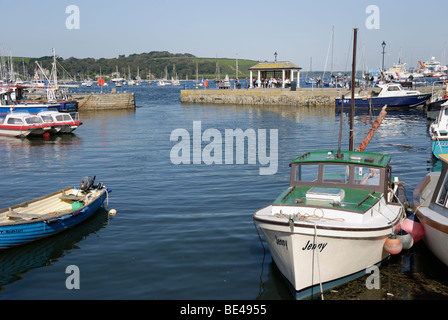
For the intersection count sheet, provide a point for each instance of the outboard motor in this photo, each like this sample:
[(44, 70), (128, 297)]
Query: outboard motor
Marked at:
[(86, 183)]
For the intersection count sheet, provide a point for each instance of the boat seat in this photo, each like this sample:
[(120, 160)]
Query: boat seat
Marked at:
[(443, 132), (25, 216), (71, 197)]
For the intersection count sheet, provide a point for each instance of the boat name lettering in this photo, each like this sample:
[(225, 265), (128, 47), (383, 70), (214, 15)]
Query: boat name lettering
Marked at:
[(314, 246), (11, 231), (281, 242)]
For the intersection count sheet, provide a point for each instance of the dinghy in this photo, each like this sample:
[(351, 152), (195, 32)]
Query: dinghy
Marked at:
[(50, 214)]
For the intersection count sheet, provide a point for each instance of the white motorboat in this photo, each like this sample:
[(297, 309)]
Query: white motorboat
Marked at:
[(431, 207), (438, 131), (333, 221), (62, 122), (23, 124)]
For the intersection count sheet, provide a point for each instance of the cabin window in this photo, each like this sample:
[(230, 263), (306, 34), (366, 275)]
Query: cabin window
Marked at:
[(393, 89), (15, 121), (59, 118), (443, 191), (33, 120), (334, 173), (367, 176), (308, 172), (47, 118)]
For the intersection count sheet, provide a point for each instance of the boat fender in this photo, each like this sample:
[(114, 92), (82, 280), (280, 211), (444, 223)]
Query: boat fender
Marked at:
[(51, 221), (393, 244), (406, 239), (411, 224), (112, 212)]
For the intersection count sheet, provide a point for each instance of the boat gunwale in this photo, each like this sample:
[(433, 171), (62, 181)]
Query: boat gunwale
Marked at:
[(47, 216), (262, 219)]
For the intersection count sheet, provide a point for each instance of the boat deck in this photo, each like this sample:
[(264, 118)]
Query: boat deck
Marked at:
[(354, 199), (51, 205)]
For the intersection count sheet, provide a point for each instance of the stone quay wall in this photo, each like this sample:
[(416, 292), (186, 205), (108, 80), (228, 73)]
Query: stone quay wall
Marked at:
[(308, 97), (105, 101), (285, 97)]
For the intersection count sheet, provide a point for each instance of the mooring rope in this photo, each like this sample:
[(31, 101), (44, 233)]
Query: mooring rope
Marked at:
[(318, 264)]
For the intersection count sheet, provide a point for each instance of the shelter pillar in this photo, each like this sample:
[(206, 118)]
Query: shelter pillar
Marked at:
[(283, 79), (250, 80)]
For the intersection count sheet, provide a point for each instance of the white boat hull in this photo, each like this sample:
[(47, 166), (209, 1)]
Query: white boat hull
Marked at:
[(14, 133), (432, 215), (307, 261), (314, 253), (436, 240)]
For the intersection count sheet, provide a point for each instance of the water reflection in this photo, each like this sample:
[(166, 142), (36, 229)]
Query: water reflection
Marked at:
[(16, 262)]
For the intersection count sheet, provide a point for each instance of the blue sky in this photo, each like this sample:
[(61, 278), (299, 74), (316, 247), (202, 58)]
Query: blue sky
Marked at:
[(248, 29)]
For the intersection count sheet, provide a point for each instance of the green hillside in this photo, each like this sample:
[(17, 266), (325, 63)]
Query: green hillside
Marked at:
[(155, 63)]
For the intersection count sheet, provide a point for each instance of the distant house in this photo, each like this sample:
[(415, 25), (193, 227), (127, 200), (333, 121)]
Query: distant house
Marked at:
[(275, 74)]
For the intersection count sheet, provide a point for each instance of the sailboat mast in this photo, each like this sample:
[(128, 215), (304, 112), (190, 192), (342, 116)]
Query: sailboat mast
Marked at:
[(352, 104)]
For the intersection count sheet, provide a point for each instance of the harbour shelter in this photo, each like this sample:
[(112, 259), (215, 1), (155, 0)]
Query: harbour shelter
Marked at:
[(279, 74)]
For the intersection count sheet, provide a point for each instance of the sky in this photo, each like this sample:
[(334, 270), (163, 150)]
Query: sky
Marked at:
[(315, 35)]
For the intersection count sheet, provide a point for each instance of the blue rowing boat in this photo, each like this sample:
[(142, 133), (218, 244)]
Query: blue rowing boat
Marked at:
[(50, 214), (392, 94)]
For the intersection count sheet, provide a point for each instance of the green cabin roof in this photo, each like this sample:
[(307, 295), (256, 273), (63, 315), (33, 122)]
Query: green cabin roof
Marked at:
[(355, 157)]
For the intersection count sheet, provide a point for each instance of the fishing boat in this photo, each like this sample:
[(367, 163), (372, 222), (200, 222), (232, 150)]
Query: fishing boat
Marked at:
[(430, 205), (62, 122), (438, 131), (11, 99), (329, 226), (337, 217), (391, 94), (435, 103), (50, 214), (23, 124)]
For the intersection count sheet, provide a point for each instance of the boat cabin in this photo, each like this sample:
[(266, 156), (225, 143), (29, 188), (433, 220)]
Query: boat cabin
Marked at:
[(354, 178), (21, 118), (439, 200)]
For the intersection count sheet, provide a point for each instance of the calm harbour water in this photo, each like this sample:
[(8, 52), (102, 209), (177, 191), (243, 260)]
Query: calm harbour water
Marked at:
[(186, 231)]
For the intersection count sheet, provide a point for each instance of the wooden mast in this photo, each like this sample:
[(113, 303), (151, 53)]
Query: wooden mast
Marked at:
[(352, 105)]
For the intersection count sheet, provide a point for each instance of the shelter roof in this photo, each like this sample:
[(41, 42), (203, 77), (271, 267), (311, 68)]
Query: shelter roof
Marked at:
[(277, 65)]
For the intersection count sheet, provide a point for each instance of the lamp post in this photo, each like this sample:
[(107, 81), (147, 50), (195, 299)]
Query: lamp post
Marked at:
[(384, 46), (275, 56)]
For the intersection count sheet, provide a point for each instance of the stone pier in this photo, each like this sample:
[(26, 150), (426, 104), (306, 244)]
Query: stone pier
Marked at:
[(272, 97), (309, 97), (104, 101)]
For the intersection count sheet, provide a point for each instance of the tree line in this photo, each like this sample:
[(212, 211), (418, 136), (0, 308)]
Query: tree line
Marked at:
[(151, 65)]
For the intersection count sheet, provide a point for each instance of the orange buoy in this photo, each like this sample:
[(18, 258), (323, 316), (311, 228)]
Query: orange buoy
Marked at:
[(393, 245)]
